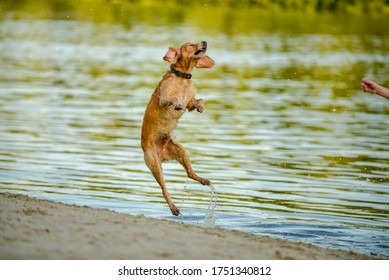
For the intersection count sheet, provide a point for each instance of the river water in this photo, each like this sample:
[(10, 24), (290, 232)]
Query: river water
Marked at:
[(293, 147)]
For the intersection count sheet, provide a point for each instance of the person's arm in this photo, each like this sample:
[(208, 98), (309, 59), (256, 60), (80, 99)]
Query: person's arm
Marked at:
[(374, 88)]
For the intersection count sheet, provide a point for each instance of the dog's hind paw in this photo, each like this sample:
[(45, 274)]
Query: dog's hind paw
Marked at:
[(175, 210), (204, 181)]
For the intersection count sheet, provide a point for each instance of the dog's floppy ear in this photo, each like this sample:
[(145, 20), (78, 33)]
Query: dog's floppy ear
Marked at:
[(205, 62), (172, 55)]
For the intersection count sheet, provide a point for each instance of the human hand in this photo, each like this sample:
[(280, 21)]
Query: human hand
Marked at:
[(369, 86)]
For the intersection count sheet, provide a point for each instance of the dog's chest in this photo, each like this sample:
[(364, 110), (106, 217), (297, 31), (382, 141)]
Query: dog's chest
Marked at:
[(185, 95)]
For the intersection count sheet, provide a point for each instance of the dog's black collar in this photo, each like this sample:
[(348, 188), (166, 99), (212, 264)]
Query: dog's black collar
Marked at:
[(180, 74)]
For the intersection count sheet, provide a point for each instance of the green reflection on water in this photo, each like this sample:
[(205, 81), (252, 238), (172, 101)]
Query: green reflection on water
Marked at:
[(212, 18)]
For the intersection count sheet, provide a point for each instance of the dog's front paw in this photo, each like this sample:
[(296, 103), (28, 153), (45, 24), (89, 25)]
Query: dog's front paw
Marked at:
[(177, 106), (200, 108), (200, 105)]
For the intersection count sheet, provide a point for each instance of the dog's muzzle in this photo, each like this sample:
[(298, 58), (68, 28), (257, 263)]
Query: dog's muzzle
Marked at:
[(203, 49)]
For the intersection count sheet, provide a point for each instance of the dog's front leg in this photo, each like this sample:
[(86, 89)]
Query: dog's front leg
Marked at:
[(200, 105), (197, 104), (170, 101)]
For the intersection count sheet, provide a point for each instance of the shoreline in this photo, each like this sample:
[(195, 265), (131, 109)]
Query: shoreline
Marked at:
[(40, 229)]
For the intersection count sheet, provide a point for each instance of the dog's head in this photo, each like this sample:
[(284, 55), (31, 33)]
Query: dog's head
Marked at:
[(188, 56)]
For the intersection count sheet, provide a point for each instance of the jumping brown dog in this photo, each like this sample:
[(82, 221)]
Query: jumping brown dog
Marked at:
[(175, 93)]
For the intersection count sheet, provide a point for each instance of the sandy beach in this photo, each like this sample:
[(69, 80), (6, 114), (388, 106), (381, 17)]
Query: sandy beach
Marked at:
[(40, 229)]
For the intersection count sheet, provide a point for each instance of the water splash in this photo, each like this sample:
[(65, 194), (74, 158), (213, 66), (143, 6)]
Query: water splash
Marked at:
[(209, 220)]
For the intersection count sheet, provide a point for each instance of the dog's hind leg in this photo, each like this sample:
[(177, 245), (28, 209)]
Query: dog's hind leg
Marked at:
[(154, 164), (175, 151)]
